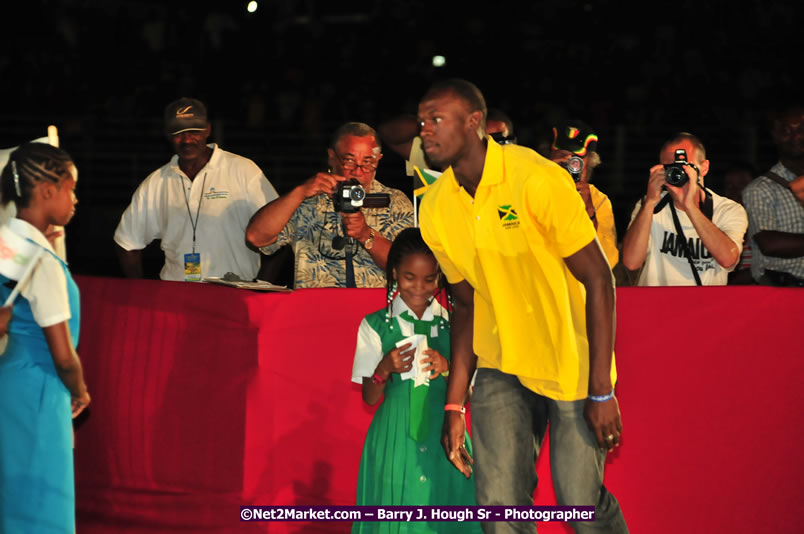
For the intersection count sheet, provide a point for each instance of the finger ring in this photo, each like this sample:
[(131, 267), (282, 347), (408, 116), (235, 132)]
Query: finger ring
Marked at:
[(610, 437)]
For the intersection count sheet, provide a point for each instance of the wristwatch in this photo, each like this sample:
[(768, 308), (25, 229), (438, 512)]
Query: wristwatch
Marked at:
[(368, 243)]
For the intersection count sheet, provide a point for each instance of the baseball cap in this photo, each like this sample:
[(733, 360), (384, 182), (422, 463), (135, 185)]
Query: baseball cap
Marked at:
[(185, 115), (575, 136)]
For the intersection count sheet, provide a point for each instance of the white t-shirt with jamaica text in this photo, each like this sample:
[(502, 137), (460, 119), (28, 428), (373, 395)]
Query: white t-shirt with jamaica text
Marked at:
[(666, 264)]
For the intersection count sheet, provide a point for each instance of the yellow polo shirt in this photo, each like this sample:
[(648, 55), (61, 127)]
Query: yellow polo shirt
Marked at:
[(508, 243)]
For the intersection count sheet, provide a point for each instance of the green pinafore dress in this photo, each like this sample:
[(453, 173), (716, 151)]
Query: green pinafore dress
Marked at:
[(397, 469)]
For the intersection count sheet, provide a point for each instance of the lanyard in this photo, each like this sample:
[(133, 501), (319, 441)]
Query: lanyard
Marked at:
[(194, 223)]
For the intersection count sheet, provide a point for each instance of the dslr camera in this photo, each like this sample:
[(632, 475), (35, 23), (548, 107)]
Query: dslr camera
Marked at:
[(350, 197), (674, 173)]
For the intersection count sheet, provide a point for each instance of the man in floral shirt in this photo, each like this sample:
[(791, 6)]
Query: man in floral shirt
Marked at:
[(306, 218)]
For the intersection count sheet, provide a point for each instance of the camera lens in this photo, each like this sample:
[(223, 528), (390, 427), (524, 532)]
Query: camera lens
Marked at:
[(675, 175), (575, 165), (357, 193)]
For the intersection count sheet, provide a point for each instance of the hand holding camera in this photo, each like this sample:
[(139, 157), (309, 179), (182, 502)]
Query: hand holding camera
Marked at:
[(569, 161), (679, 172), (348, 200), (350, 197), (322, 182), (679, 178), (574, 166), (354, 226)]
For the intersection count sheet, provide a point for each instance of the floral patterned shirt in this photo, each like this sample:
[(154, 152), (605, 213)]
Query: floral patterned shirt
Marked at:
[(315, 223)]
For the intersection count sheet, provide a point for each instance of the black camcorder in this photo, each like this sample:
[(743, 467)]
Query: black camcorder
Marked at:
[(674, 173), (350, 197)]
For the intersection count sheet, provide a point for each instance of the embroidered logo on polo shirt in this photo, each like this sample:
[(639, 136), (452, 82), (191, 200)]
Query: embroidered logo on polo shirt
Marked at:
[(508, 216), (213, 194)]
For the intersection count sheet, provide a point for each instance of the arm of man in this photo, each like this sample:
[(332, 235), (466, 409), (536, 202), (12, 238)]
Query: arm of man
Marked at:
[(379, 251), (463, 362), (760, 205), (139, 225), (274, 267), (797, 185), (780, 244), (398, 134), (590, 268), (265, 225), (357, 228), (130, 262), (397, 217), (722, 247), (725, 251), (637, 237)]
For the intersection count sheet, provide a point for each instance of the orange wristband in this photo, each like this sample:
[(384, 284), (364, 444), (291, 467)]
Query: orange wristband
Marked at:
[(454, 408)]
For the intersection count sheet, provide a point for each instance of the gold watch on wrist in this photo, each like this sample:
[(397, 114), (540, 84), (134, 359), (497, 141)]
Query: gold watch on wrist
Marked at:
[(368, 243)]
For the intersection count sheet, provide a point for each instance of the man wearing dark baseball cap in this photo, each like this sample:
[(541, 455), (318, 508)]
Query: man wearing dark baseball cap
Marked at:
[(185, 115), (575, 148), (198, 204)]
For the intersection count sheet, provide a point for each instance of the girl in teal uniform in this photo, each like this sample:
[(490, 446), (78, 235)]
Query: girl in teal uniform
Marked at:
[(403, 463), (41, 381)]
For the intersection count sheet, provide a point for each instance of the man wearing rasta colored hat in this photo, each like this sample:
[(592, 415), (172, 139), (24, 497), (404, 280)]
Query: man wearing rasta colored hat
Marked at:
[(198, 204), (574, 148)]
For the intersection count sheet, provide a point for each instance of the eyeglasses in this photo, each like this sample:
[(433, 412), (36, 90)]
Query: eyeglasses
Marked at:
[(350, 164)]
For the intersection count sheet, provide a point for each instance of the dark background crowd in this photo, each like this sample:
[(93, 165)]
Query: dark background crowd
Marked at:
[(278, 82)]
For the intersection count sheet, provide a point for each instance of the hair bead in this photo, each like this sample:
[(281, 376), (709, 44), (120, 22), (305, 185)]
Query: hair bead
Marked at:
[(16, 178)]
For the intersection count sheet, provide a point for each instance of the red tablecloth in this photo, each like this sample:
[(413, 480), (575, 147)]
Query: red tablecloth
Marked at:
[(206, 398)]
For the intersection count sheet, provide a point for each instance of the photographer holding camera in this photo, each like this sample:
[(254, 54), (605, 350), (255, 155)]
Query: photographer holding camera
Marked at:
[(683, 233), (575, 149), (339, 236)]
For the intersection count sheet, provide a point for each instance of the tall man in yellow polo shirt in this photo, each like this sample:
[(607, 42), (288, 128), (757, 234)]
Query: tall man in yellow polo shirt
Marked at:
[(533, 312)]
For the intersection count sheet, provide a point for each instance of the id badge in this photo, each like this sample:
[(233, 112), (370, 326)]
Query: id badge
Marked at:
[(192, 267)]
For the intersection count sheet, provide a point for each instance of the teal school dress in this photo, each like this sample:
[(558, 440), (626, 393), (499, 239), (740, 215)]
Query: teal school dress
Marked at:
[(37, 489)]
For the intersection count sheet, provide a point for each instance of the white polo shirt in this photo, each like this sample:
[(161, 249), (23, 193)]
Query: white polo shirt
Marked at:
[(225, 194)]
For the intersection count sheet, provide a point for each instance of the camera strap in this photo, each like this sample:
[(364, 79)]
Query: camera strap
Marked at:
[(680, 235), (707, 206), (350, 266)]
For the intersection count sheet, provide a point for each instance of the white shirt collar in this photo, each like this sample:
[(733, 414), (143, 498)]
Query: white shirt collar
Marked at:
[(26, 229), (432, 310), (211, 164)]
